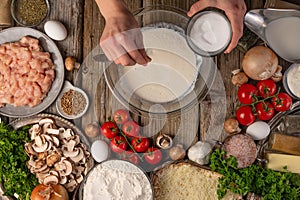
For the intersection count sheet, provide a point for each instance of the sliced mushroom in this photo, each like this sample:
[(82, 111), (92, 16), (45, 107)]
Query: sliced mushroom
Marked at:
[(29, 150), (79, 179), (79, 157), (66, 134), (50, 180), (41, 169), (55, 141), (34, 131), (41, 148), (52, 159), (63, 180), (70, 186), (46, 121), (52, 131), (53, 172), (64, 167), (42, 156), (70, 154)]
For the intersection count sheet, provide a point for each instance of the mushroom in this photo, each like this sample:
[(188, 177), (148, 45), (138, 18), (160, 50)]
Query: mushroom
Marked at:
[(239, 78), (70, 186), (52, 159), (277, 76), (46, 120), (40, 148), (177, 152), (64, 167), (92, 130), (78, 157), (70, 63), (231, 126), (50, 180), (49, 151), (164, 141)]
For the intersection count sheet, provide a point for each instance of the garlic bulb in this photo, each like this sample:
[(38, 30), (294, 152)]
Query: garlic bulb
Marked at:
[(200, 152)]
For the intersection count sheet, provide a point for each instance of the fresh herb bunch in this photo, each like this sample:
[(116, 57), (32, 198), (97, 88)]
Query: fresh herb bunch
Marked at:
[(269, 184), (14, 174)]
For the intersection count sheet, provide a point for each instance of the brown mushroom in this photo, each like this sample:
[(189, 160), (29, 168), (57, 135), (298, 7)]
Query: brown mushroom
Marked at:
[(164, 141), (239, 78), (277, 76), (70, 63), (231, 126)]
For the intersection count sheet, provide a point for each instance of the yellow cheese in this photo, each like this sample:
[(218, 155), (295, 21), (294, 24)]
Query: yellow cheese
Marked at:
[(277, 161), (286, 143)]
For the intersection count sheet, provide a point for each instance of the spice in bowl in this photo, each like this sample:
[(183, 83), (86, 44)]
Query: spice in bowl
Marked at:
[(73, 102), (30, 12)]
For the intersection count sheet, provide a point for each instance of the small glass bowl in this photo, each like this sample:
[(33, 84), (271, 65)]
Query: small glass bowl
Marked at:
[(286, 78), (67, 87), (15, 12), (192, 42)]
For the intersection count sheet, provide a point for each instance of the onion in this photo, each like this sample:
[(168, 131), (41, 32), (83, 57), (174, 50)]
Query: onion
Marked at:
[(260, 63), (49, 192)]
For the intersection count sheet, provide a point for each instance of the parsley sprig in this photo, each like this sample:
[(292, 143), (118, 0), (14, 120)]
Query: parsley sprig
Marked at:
[(14, 174), (269, 184)]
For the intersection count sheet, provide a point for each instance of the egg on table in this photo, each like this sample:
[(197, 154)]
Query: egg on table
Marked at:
[(100, 150), (55, 30), (258, 130)]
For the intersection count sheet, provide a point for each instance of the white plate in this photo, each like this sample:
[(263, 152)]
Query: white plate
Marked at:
[(15, 34)]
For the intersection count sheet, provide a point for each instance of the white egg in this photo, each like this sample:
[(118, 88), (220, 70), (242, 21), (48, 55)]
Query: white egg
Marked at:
[(55, 30), (100, 150), (258, 130)]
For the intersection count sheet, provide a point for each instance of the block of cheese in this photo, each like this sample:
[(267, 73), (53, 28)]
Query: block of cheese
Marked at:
[(286, 143), (187, 181), (277, 161)]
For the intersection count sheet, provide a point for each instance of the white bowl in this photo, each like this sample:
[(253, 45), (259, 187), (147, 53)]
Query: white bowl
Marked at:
[(67, 87)]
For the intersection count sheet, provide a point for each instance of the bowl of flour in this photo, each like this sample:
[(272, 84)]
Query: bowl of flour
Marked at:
[(116, 179)]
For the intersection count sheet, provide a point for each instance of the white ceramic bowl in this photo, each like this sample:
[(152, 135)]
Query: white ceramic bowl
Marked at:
[(67, 87)]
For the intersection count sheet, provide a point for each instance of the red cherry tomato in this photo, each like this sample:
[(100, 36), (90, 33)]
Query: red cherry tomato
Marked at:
[(140, 144), (265, 111), (121, 116), (266, 88), (130, 156), (118, 144), (282, 102), (153, 155), (131, 128), (247, 93), (245, 115), (109, 129)]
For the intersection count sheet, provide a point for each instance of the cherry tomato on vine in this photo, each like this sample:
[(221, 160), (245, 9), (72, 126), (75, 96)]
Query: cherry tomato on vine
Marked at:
[(266, 88), (109, 129), (130, 156), (245, 115), (153, 155), (247, 93), (118, 144), (121, 116), (265, 110), (282, 102), (140, 144), (131, 128)]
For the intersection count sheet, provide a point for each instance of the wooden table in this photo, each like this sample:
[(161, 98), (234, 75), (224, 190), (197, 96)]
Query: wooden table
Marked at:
[(85, 24)]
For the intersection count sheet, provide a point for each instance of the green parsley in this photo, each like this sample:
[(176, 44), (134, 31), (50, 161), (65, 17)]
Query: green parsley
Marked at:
[(269, 184), (14, 174)]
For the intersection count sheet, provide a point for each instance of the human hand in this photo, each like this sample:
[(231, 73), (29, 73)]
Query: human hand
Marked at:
[(122, 40), (235, 11)]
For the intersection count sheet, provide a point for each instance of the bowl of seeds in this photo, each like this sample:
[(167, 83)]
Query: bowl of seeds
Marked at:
[(72, 102), (30, 13)]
